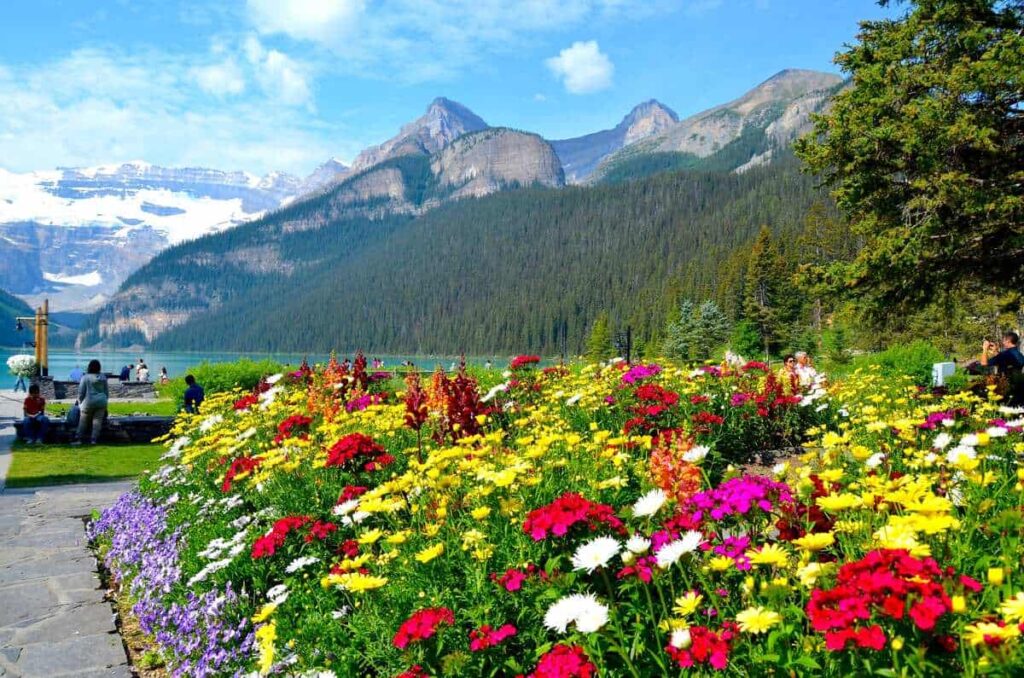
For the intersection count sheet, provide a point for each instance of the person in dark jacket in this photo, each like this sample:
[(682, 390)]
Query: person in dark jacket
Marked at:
[(194, 395), (1009, 362)]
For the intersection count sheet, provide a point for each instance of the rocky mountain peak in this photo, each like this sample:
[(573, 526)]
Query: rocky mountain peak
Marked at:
[(444, 121), (785, 85), (647, 119)]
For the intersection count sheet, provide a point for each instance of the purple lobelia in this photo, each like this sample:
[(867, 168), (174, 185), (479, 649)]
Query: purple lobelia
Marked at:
[(200, 634)]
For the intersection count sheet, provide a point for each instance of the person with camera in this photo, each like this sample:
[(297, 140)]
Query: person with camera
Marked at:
[(1008, 362)]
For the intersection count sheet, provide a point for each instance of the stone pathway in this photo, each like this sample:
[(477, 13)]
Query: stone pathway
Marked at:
[(54, 621)]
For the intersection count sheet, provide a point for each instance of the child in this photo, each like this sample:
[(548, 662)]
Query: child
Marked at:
[(35, 423)]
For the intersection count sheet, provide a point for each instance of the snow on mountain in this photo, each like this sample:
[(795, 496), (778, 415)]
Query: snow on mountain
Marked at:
[(74, 234)]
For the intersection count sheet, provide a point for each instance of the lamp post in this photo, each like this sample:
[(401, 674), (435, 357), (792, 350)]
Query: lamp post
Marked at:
[(41, 325), (624, 344)]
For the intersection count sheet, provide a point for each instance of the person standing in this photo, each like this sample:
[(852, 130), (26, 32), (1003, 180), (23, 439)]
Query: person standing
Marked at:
[(1009, 362), (143, 373), (163, 375), (194, 395), (76, 374), (93, 396), (36, 423), (126, 373), (20, 383)]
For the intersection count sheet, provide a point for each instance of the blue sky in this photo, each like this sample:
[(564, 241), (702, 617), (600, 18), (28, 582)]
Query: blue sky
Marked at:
[(265, 85)]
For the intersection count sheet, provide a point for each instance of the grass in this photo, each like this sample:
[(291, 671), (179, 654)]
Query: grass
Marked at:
[(38, 465), (162, 408)]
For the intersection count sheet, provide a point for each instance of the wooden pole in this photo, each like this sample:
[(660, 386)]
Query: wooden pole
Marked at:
[(36, 334), (46, 339)]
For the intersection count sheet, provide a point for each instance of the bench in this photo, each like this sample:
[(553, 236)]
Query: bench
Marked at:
[(129, 429)]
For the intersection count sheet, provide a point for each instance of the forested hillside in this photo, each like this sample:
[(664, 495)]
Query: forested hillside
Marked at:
[(11, 307), (528, 269)]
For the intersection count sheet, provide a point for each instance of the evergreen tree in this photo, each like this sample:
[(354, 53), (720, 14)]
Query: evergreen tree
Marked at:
[(923, 152), (764, 302), (599, 343), (745, 340), (679, 334), (711, 328)]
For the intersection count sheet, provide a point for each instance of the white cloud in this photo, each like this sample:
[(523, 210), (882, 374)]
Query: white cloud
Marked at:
[(316, 20), (94, 107), (583, 68), (431, 40), (279, 75), (220, 79)]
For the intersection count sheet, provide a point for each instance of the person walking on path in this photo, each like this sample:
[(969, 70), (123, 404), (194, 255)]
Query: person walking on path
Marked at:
[(194, 395), (20, 384), (93, 396), (35, 424)]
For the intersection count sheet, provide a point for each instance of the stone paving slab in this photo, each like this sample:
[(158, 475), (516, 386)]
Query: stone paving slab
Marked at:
[(54, 621)]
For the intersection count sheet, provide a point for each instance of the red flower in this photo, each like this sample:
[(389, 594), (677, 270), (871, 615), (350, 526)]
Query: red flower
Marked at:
[(706, 647), (564, 661), (568, 510), (268, 544), (351, 492), (413, 672), (245, 402), (523, 361), (291, 425), (485, 636), (238, 466), (320, 530), (422, 625), (706, 418), (889, 583), (357, 445)]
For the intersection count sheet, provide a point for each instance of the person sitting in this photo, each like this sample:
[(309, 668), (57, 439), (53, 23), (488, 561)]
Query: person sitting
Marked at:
[(143, 372), (1009, 362), (163, 375), (36, 423), (194, 395), (76, 374), (804, 369)]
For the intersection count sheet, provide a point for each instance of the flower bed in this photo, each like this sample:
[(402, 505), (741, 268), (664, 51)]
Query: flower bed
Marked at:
[(578, 523)]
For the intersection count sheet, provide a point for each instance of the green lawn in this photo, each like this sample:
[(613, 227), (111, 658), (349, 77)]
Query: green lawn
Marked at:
[(163, 408), (36, 465)]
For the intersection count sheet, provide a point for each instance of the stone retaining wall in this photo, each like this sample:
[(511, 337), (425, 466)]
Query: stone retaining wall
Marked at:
[(141, 429), (55, 389)]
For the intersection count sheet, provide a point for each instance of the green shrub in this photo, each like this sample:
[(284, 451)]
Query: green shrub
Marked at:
[(217, 377), (914, 359)]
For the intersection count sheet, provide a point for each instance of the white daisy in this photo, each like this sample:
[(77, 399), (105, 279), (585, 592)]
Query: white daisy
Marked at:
[(970, 440), (649, 504), (346, 507), (211, 421), (696, 454), (875, 460), (573, 400), (581, 608), (595, 553), (638, 544), (942, 440), (671, 552), (681, 639), (996, 431), (495, 390), (961, 453), (300, 563), (274, 378), (278, 594)]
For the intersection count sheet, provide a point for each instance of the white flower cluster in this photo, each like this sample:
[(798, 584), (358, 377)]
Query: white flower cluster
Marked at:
[(584, 609), (671, 552), (210, 568), (219, 546), (22, 365), (595, 553)]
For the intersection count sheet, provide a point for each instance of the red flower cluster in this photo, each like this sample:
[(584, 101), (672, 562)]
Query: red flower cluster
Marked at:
[(416, 411), (652, 393), (422, 625), (415, 671), (485, 636), (351, 492), (268, 544), (564, 661), (706, 646), (679, 478), (512, 580), (523, 361), (288, 427), (886, 582), (358, 446), (246, 401), (568, 510), (240, 465), (705, 419)]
